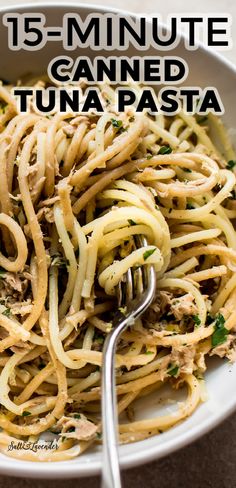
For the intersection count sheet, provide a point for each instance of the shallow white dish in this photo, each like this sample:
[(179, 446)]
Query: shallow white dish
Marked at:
[(206, 69)]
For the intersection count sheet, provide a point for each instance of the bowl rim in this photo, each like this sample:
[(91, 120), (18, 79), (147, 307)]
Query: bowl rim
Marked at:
[(67, 469)]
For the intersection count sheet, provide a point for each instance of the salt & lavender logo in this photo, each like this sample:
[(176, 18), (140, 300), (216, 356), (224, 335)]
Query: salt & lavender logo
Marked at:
[(51, 445)]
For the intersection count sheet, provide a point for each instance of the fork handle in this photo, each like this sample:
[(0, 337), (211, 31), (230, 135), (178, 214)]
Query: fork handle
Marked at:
[(110, 467)]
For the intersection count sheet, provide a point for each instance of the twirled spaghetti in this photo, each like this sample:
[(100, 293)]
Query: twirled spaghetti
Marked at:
[(75, 190)]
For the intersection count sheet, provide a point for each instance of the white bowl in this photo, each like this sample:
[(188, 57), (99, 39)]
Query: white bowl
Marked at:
[(206, 69)]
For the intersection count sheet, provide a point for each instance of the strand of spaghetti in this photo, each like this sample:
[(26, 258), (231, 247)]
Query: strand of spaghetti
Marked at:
[(182, 269), (33, 353), (100, 129), (175, 127), (64, 193), (7, 371), (50, 157), (160, 363), (150, 174), (224, 294), (45, 422), (54, 323), (198, 130), (35, 232), (61, 145), (109, 136), (117, 237), (172, 340), (222, 135), (20, 125), (131, 386), (39, 178), (111, 276), (105, 180), (199, 213), (121, 217), (20, 242), (207, 274), (147, 201), (89, 137), (34, 384), (67, 357), (80, 176), (73, 148), (210, 249), (39, 405), (163, 134), (6, 205), (7, 97), (95, 357), (85, 383), (123, 155), (225, 225), (14, 328), (185, 189), (70, 256), (92, 251), (6, 116), (79, 317), (35, 338), (31, 387), (126, 401), (166, 421), (82, 267), (194, 237)]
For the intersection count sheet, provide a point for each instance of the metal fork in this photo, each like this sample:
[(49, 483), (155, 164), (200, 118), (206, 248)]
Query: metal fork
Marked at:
[(135, 294)]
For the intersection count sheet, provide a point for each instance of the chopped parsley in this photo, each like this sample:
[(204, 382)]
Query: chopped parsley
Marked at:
[(7, 312), (231, 164), (71, 429), (2, 271), (99, 435), (148, 253), (220, 320), (26, 413), (131, 222), (77, 416), (131, 119), (148, 352), (196, 320), (173, 370), (189, 206), (149, 156), (220, 333), (187, 170), (117, 124), (165, 150)]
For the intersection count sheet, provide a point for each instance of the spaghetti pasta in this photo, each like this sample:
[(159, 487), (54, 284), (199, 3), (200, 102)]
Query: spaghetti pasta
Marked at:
[(75, 191)]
